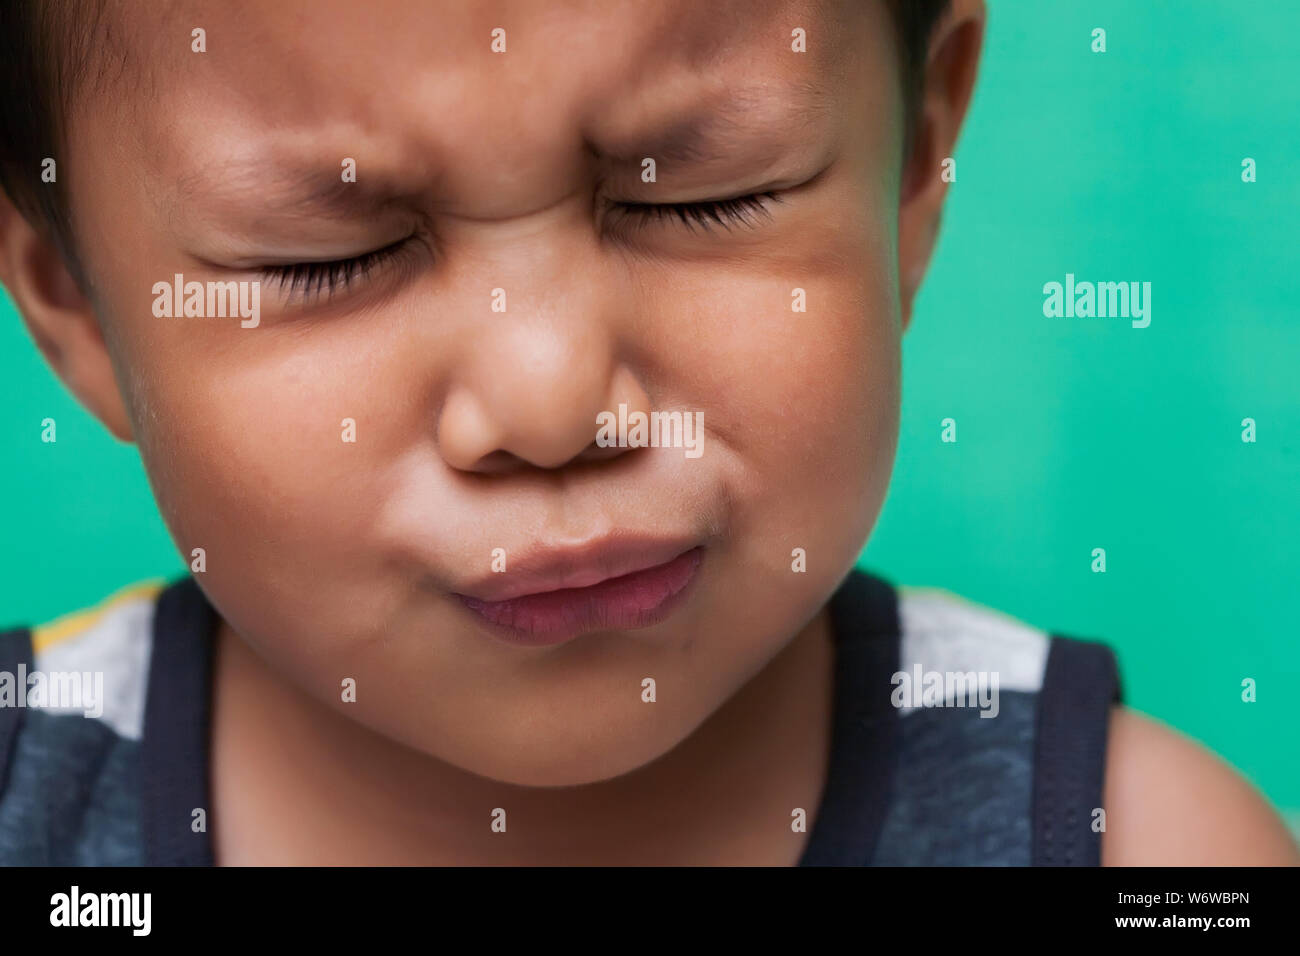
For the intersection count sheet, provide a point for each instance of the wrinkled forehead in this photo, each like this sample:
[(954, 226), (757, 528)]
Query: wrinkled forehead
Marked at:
[(302, 60), (414, 84), (297, 47)]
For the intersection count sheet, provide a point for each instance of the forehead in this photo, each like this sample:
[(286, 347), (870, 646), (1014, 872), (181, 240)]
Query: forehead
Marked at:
[(416, 84), (299, 45)]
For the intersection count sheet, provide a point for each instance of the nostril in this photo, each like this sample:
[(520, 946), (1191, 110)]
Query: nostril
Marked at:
[(498, 463), (501, 462), (596, 452)]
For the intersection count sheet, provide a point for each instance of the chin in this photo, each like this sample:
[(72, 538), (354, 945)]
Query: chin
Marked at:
[(544, 763)]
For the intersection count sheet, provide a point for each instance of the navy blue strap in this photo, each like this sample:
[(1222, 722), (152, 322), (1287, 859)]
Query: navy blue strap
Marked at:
[(15, 651), (864, 735), (1080, 684), (174, 748)]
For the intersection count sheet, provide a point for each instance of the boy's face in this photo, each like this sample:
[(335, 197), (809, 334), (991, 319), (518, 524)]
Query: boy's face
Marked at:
[(474, 428)]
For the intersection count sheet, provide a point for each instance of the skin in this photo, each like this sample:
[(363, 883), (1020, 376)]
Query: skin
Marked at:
[(328, 559)]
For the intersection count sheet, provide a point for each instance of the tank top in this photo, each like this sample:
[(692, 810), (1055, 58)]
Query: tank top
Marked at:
[(960, 736)]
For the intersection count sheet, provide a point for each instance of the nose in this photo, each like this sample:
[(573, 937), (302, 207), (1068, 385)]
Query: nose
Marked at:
[(530, 393)]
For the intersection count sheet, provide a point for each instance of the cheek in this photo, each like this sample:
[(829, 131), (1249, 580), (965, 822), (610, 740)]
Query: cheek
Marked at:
[(247, 446), (249, 441), (793, 353)]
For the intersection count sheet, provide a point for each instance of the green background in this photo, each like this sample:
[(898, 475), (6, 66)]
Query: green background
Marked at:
[(1072, 434)]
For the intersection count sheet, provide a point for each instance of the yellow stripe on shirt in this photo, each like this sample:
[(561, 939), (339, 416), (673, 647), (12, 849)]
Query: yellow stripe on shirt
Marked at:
[(70, 625)]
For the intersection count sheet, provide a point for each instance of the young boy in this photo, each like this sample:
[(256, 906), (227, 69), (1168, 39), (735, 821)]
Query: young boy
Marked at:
[(386, 294)]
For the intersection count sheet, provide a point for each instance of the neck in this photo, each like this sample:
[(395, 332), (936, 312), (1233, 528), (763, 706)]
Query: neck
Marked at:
[(722, 796)]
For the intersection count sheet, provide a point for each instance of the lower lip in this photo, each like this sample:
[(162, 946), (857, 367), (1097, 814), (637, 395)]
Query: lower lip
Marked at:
[(636, 600)]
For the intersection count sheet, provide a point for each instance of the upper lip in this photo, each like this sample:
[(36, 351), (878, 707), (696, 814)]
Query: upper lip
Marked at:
[(557, 567)]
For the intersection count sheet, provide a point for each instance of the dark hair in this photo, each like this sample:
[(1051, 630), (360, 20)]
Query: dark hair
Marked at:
[(50, 49), (914, 21)]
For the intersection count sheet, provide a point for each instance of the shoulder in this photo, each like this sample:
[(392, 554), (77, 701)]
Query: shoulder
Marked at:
[(967, 688), (1064, 746), (1172, 802), (944, 631), (106, 647), (1020, 789), (72, 701)]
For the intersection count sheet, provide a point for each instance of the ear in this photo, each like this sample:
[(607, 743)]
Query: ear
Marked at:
[(949, 78), (60, 317)]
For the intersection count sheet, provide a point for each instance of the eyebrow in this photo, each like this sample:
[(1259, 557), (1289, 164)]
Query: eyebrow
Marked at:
[(699, 137), (286, 187), (703, 135)]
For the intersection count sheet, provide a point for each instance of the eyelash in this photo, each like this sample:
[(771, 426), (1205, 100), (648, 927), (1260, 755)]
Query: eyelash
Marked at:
[(312, 277), (740, 211)]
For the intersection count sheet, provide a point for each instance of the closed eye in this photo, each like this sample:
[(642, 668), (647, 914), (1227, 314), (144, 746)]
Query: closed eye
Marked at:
[(312, 278), (748, 211)]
